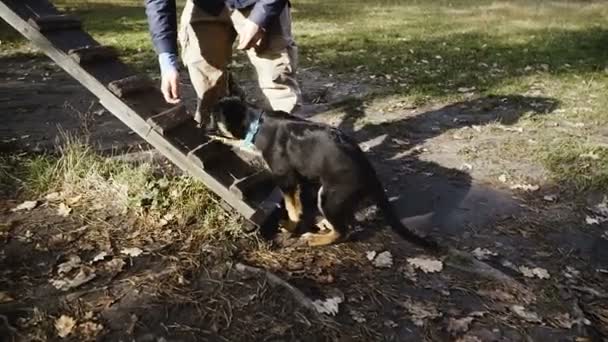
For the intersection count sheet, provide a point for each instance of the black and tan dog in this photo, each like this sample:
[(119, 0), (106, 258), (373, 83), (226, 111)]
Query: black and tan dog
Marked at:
[(300, 152)]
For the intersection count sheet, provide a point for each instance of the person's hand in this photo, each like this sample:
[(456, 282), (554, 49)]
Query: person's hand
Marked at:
[(250, 36), (170, 87)]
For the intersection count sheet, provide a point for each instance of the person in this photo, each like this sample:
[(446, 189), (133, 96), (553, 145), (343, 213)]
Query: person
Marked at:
[(206, 33)]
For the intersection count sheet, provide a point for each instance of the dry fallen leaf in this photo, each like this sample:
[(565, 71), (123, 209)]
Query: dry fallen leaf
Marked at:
[(64, 210), (426, 265), (550, 198), (357, 316), (483, 253), (114, 265), (592, 220), (328, 306), (84, 275), (383, 260), (459, 326), (5, 297), (64, 325), (503, 178), (132, 252), (529, 316), (73, 262), (534, 272), (90, 329), (100, 256), (27, 205), (371, 255), (53, 196)]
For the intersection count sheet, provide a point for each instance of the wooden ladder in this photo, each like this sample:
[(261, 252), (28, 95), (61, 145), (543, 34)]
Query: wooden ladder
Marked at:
[(136, 101)]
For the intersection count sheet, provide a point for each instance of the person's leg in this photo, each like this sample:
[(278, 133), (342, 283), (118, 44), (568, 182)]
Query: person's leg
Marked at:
[(275, 62), (206, 48)]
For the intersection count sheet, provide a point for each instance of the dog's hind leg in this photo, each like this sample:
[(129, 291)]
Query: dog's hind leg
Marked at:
[(293, 205), (338, 208)]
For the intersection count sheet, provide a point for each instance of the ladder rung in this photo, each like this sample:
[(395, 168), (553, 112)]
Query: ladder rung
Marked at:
[(207, 153), (244, 187), (55, 22), (129, 85), (89, 54), (169, 119)]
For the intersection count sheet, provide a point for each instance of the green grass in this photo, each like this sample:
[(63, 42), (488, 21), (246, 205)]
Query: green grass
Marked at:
[(76, 170), (424, 51)]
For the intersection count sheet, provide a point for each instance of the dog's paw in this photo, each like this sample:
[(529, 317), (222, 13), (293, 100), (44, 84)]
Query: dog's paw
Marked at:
[(319, 239), (324, 225)]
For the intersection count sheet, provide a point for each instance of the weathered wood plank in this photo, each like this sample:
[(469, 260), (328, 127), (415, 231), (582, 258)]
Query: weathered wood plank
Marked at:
[(130, 85), (245, 187), (91, 54), (55, 22), (207, 153), (169, 119)]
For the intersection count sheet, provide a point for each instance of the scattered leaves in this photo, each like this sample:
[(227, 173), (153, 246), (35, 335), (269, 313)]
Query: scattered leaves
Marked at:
[(64, 325), (534, 272), (426, 265), (132, 252), (27, 205)]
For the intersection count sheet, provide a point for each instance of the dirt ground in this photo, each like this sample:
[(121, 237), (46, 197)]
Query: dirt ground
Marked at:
[(549, 269)]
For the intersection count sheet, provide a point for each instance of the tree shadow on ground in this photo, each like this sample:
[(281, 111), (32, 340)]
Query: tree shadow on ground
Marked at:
[(426, 194)]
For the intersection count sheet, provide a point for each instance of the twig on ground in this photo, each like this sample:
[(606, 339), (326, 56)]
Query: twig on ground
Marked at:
[(466, 262), (590, 291), (275, 280)]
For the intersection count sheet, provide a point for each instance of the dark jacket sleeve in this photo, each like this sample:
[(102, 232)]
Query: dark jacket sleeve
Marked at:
[(162, 22), (264, 11)]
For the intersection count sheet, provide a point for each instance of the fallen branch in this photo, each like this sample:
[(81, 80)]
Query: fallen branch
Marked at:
[(590, 291), (298, 295), (466, 262)]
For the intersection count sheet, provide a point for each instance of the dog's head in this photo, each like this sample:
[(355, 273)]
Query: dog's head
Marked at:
[(231, 117)]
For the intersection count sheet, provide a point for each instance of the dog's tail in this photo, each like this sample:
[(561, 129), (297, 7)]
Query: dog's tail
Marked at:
[(389, 213)]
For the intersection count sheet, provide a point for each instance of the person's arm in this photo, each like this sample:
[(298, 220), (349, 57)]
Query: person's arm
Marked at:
[(162, 22), (262, 14)]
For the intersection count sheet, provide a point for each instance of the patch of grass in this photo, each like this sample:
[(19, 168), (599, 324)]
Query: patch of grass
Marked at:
[(76, 170), (578, 165)]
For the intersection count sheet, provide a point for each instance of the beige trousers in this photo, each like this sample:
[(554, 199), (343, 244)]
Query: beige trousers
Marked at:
[(206, 46)]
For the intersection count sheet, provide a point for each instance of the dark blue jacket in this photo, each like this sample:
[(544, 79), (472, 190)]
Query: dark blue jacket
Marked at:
[(162, 17)]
